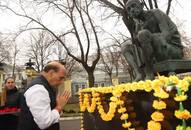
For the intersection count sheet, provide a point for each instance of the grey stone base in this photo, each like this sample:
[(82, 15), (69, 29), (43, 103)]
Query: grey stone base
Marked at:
[(172, 66)]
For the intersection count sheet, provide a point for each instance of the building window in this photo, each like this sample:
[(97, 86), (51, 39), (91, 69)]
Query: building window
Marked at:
[(83, 86), (76, 88)]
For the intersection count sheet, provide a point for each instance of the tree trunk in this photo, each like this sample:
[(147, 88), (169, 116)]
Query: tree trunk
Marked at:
[(110, 78), (91, 78), (13, 71)]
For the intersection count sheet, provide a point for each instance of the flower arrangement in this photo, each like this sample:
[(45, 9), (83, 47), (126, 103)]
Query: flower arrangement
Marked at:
[(9, 109), (90, 99)]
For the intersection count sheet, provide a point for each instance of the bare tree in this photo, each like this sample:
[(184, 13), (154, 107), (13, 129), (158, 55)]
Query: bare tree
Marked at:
[(75, 11), (5, 55), (39, 49), (186, 40), (118, 41), (110, 61), (69, 62), (9, 51), (14, 57), (118, 6)]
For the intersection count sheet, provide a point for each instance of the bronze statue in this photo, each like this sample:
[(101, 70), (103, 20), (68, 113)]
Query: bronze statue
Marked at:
[(157, 40)]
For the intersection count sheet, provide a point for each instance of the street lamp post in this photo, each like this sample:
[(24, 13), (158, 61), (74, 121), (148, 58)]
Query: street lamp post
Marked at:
[(30, 71)]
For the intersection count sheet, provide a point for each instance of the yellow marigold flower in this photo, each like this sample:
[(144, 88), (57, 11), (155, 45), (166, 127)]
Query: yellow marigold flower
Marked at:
[(120, 102), (122, 110), (180, 98), (159, 105), (126, 124), (142, 85), (157, 116), (82, 108), (148, 86), (152, 125), (114, 99), (116, 93), (101, 111), (106, 117), (94, 94), (183, 85), (124, 116), (98, 103), (174, 79), (161, 94), (181, 128), (182, 114), (131, 128), (157, 84), (163, 79), (90, 110), (112, 104), (134, 86), (97, 99)]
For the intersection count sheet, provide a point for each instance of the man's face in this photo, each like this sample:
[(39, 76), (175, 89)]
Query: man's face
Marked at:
[(57, 78), (134, 9)]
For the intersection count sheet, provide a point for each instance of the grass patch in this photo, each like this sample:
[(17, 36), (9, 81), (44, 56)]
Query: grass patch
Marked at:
[(70, 114), (71, 110)]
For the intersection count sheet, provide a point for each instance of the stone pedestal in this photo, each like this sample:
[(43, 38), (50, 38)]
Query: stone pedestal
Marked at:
[(168, 67)]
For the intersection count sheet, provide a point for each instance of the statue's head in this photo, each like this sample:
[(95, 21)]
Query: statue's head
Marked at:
[(134, 8)]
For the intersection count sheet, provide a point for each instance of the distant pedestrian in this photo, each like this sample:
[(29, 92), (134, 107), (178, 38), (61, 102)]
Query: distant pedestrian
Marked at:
[(9, 119), (12, 94)]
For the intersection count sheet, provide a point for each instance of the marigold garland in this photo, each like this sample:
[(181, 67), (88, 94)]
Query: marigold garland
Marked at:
[(157, 116), (159, 105), (182, 113), (152, 125), (91, 99)]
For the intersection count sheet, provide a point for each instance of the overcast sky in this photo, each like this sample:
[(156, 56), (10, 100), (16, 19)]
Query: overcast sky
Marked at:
[(180, 13)]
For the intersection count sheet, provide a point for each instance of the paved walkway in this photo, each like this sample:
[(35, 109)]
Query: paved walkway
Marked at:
[(70, 123)]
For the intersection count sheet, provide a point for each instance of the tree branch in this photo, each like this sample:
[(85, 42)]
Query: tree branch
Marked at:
[(168, 7)]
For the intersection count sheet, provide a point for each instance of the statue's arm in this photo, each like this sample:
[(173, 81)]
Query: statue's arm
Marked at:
[(163, 19)]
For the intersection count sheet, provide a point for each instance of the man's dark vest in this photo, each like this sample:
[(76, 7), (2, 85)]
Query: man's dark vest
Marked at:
[(26, 121)]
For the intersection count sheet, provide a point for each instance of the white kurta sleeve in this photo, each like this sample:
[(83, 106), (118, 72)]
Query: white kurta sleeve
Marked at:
[(38, 101)]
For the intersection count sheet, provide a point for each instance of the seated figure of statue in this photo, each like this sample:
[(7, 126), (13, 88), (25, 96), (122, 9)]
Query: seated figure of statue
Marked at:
[(157, 39)]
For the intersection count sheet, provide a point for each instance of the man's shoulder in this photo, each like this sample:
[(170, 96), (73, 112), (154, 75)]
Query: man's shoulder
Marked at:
[(36, 80), (35, 89)]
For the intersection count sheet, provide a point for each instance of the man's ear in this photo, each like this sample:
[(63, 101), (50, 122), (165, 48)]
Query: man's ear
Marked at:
[(51, 72)]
